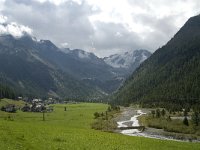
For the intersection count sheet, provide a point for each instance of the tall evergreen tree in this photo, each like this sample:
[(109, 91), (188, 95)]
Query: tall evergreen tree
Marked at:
[(185, 121), (195, 118)]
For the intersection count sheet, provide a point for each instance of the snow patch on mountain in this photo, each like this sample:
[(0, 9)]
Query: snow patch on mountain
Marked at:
[(144, 57), (83, 55), (127, 59)]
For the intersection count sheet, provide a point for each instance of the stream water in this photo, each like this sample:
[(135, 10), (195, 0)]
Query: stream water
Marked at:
[(136, 132), (134, 121)]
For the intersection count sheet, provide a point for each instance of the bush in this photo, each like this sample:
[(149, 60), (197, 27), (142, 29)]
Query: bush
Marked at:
[(104, 125), (3, 108), (109, 109), (96, 115)]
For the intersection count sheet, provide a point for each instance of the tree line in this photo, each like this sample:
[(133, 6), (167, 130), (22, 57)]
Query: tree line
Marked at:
[(7, 92)]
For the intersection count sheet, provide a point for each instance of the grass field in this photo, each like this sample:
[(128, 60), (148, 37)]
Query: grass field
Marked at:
[(70, 130), (4, 102)]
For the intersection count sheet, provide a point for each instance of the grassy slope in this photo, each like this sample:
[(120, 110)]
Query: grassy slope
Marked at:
[(71, 130), (5, 101)]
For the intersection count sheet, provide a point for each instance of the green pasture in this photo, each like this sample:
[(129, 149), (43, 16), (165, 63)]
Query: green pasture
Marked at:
[(71, 130), (5, 101)]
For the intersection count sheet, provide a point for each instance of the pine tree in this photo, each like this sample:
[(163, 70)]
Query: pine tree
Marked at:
[(153, 113), (163, 112), (185, 121), (158, 113), (195, 118), (185, 113)]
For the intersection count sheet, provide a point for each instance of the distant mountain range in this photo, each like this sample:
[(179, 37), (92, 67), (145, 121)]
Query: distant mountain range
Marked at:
[(128, 61), (39, 68), (25, 67), (170, 75)]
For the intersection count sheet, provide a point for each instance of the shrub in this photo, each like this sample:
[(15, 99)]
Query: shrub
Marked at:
[(96, 115), (109, 109)]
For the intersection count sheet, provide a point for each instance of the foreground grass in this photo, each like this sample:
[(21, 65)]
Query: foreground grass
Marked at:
[(71, 130)]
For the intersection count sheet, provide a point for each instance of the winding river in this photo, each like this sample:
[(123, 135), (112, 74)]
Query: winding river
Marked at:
[(134, 120), (136, 132)]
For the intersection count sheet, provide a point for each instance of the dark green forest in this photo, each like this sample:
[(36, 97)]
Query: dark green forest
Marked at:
[(6, 92), (170, 76)]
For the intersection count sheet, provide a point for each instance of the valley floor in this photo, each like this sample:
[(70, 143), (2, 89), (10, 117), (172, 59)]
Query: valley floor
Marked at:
[(71, 130)]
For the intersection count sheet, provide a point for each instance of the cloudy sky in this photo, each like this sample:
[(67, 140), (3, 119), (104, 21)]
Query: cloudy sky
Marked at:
[(103, 27)]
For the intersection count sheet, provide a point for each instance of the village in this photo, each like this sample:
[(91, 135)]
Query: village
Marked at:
[(34, 105)]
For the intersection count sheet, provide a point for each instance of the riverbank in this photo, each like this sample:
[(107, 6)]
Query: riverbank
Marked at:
[(130, 117)]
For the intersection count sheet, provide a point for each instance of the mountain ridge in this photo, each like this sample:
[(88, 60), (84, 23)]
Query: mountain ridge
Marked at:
[(45, 68), (29, 72), (170, 75), (127, 61)]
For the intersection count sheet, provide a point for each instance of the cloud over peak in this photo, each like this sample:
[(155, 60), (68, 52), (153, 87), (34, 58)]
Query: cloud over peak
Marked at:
[(13, 28), (98, 26)]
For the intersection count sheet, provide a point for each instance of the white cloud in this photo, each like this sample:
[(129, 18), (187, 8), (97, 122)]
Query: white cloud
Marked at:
[(17, 30), (59, 2), (101, 26), (13, 28), (3, 19), (118, 34), (65, 45)]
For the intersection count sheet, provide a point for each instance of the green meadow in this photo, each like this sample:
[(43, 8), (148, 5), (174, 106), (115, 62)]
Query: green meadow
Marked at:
[(4, 102), (71, 130)]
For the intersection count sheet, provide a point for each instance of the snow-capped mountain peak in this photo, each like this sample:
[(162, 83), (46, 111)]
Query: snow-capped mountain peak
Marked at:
[(127, 59)]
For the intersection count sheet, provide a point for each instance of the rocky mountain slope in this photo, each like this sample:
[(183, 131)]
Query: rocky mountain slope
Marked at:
[(128, 61)]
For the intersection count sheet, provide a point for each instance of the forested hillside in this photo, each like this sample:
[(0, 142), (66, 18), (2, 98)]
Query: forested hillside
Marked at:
[(26, 71), (170, 75), (7, 92)]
